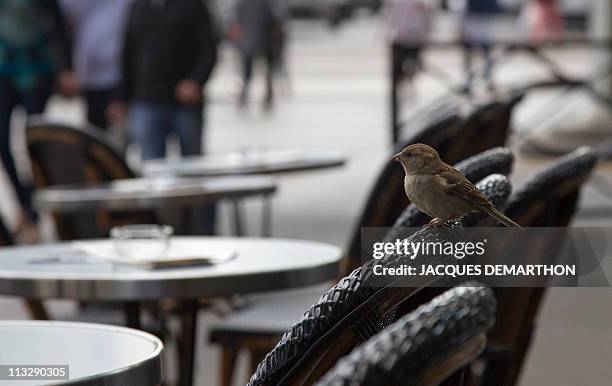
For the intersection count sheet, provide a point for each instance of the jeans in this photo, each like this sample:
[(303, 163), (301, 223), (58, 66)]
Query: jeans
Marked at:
[(152, 123), (97, 101), (33, 101)]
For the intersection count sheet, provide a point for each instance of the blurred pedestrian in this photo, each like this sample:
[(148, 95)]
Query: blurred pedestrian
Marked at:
[(258, 29), (543, 19), (97, 30), (477, 25), (169, 53), (34, 54), (409, 25)]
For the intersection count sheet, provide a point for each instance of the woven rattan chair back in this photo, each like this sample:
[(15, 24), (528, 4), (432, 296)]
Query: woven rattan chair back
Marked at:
[(454, 139), (35, 307), (422, 348), (345, 316), (64, 154), (487, 126), (548, 199)]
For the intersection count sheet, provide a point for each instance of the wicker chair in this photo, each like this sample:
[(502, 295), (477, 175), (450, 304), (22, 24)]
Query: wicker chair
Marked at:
[(259, 324), (425, 347), (548, 199), (348, 314), (62, 154), (485, 127), (36, 309)]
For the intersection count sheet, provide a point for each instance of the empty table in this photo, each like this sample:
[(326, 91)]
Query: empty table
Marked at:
[(82, 354), (249, 161), (246, 162), (63, 271), (152, 193), (146, 193)]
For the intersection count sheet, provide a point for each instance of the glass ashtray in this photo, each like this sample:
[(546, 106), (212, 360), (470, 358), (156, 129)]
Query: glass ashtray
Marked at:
[(142, 241)]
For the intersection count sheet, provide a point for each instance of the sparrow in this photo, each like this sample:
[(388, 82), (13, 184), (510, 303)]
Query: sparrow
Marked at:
[(441, 191)]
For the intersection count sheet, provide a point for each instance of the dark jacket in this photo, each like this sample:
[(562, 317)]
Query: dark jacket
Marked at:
[(33, 41), (166, 41)]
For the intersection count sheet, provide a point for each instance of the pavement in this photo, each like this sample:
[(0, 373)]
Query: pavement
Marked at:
[(335, 98)]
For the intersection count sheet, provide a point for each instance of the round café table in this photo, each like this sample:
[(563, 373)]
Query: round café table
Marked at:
[(152, 193), (247, 162), (64, 271), (95, 354)]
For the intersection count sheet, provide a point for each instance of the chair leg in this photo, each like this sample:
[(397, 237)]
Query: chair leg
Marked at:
[(228, 364), (37, 309)]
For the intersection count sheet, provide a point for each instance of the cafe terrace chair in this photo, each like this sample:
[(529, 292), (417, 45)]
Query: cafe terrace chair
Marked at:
[(486, 126), (455, 139), (431, 345), (548, 199), (36, 309), (64, 154), (348, 314), (259, 324)]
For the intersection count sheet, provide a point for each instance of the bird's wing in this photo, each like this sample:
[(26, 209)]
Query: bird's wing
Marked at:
[(457, 185)]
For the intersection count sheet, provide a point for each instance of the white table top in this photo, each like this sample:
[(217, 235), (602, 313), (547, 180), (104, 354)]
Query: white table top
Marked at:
[(261, 264), (249, 161), (154, 192), (93, 351)]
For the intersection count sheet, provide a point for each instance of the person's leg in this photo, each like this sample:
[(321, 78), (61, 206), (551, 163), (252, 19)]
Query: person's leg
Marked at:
[(247, 73), (148, 129), (488, 66), (8, 98), (97, 101), (467, 67), (34, 102), (271, 68), (188, 124)]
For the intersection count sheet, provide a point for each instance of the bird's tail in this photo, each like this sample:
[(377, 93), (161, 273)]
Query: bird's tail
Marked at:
[(502, 218)]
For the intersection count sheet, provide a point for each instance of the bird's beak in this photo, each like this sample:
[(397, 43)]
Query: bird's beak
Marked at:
[(397, 157)]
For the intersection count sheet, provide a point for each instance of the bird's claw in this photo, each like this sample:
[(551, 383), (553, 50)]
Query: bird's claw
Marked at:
[(436, 222)]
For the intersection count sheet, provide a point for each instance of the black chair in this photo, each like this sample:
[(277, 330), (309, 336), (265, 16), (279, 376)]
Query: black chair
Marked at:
[(35, 307), (62, 154), (548, 199), (251, 327), (353, 311), (485, 127), (426, 347)]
